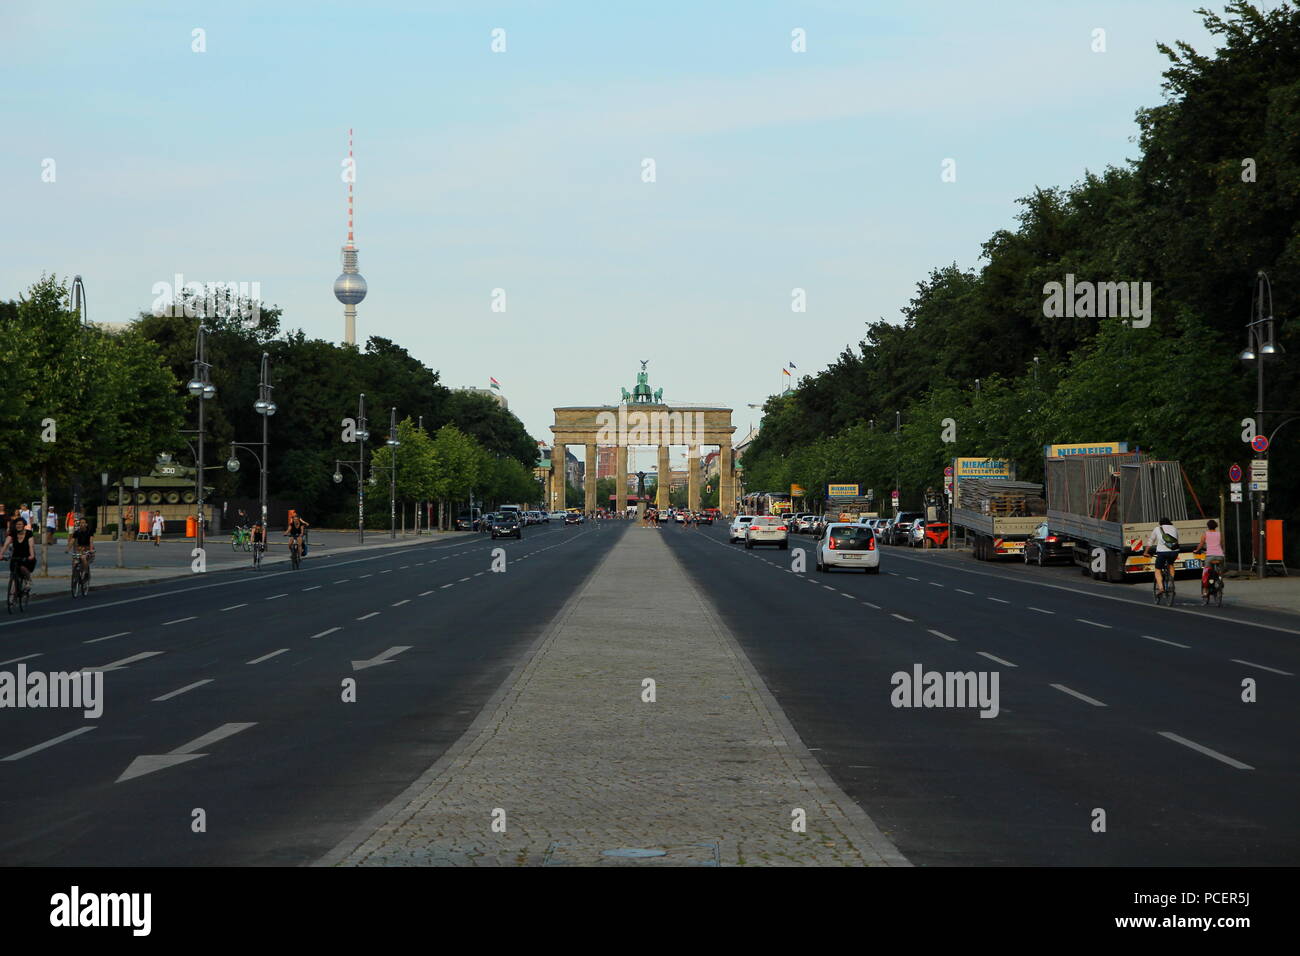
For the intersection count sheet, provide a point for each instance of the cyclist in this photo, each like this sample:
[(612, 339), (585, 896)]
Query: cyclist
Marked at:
[(84, 542), (1211, 545), (1164, 540), (258, 536), (297, 532), (23, 556)]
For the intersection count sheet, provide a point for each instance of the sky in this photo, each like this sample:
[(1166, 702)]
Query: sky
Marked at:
[(524, 170)]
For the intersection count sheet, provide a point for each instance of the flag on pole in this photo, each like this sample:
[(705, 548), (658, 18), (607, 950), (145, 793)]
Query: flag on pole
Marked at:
[(495, 383), (792, 365), (785, 371)]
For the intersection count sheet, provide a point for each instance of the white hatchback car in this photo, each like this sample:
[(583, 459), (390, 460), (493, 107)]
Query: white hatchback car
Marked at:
[(848, 546), (738, 526)]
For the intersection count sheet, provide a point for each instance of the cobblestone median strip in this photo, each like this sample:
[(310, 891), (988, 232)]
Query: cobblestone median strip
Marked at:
[(580, 770)]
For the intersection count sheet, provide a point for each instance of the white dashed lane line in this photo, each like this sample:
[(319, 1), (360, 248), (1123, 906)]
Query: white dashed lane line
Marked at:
[(401, 602), (1237, 660), (874, 607), (1039, 609), (364, 617), (999, 600), (323, 633), (445, 586), (181, 690), (341, 581), (107, 637), (997, 659), (1093, 623), (180, 620), (1204, 750), (49, 743), (275, 597), (1074, 693), (1161, 640), (267, 657), (462, 579), (963, 591), (943, 635), (424, 593), (15, 660), (314, 587), (935, 584), (901, 618)]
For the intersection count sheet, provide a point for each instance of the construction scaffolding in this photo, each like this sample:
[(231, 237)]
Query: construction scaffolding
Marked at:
[(1123, 487)]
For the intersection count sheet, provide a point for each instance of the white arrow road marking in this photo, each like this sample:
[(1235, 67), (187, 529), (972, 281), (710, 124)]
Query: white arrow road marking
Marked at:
[(1204, 750), (383, 658), (148, 763), (49, 743), (267, 657), (118, 665), (181, 690), (109, 637)]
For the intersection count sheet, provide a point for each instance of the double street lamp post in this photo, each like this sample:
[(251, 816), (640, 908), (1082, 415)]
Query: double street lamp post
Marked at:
[(265, 407), (1261, 343), (393, 445), (201, 387), (358, 467)]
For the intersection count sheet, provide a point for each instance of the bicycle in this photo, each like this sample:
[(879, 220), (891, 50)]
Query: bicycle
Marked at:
[(1213, 584), (240, 538), (295, 552), (80, 576), (1168, 591), (18, 594), (258, 549)]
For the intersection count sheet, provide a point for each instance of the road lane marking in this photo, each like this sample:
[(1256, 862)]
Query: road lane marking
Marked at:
[(109, 637), (405, 566), (999, 600), (935, 584), (828, 587), (849, 596), (314, 587), (1093, 623), (445, 586), (401, 602), (998, 659), (944, 636), (1148, 637), (1205, 750), (901, 618), (25, 657), (1237, 660), (1039, 609), (342, 581), (963, 591), (870, 605), (384, 658), (267, 657), (118, 665), (234, 607), (463, 579), (324, 633), (148, 763), (49, 743), (478, 574), (274, 596), (367, 576), (424, 593), (1074, 693), (386, 571), (181, 690), (180, 620), (910, 578), (366, 616)]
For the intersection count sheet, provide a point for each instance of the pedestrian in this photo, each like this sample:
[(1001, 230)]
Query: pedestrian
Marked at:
[(51, 525), (27, 515), (157, 528)]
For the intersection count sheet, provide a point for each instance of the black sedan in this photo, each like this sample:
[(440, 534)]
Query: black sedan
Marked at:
[(1044, 547), (507, 526)]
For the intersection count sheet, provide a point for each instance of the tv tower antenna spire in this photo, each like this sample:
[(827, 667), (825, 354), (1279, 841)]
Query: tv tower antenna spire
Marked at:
[(350, 287)]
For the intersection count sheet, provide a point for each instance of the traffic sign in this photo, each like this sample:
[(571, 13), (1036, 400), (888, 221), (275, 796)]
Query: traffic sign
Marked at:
[(1259, 443), (1235, 486), (1258, 470), (1235, 496), (948, 471), (1234, 473), (1259, 486)]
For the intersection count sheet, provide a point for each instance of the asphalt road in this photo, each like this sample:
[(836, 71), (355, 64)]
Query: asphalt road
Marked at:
[(1106, 702), (248, 670)]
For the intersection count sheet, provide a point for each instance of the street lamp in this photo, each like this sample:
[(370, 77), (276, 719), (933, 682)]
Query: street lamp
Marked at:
[(393, 444), (201, 387), (1261, 343)]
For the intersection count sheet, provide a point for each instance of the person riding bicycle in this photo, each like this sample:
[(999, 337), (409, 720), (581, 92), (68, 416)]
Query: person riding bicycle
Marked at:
[(22, 557), (297, 532), (84, 542), (1164, 539), (257, 536), (1211, 545)]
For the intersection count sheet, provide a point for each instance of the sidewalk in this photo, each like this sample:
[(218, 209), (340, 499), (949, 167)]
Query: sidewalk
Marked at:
[(146, 563), (580, 766)]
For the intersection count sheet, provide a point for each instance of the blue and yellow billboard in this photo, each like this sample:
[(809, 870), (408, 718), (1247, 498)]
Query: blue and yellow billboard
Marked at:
[(1085, 448)]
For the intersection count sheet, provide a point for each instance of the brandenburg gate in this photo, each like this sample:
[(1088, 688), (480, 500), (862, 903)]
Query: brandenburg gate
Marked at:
[(642, 418)]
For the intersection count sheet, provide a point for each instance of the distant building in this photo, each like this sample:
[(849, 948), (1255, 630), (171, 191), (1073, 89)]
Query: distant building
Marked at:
[(606, 461), (491, 393)]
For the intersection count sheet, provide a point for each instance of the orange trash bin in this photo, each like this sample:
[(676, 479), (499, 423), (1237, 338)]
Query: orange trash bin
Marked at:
[(144, 529), (191, 526)]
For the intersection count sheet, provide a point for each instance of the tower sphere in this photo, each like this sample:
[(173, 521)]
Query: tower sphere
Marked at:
[(349, 288)]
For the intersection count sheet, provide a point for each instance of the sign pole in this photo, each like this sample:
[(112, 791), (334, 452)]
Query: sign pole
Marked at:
[(1238, 524)]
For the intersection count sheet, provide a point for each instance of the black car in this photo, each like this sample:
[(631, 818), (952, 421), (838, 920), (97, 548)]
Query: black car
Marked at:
[(1043, 547), (507, 526), (573, 517), (468, 520), (704, 517)]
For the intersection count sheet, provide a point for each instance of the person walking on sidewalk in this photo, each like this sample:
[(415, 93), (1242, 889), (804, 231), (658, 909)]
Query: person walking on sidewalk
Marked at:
[(51, 525), (157, 529)]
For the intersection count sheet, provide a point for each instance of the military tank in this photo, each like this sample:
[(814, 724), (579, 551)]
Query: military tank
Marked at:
[(169, 483)]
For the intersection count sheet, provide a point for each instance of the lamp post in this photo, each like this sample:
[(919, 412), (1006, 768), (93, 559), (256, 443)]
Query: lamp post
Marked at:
[(362, 436), (393, 445), (1261, 343), (265, 407), (201, 387)]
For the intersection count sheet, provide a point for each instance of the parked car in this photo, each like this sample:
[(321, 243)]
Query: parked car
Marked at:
[(468, 520), (768, 529), (738, 526), (508, 525), (1043, 547), (844, 545), (902, 526), (805, 523)]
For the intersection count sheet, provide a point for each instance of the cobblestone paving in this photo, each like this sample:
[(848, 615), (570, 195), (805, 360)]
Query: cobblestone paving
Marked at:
[(709, 774)]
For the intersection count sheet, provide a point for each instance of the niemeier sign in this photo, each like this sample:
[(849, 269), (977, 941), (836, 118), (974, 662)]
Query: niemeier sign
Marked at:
[(843, 491), (1093, 448), (983, 468)]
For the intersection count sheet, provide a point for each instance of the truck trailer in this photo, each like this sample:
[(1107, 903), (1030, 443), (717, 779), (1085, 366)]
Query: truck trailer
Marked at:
[(1108, 505), (992, 508)]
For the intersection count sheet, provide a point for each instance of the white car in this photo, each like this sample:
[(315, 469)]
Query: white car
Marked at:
[(844, 545), (738, 526), (768, 529)]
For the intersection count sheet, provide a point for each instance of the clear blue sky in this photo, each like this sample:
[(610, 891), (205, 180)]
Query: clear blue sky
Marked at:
[(522, 170)]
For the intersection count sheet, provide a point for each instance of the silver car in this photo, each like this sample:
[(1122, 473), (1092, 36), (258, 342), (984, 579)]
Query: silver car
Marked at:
[(768, 529)]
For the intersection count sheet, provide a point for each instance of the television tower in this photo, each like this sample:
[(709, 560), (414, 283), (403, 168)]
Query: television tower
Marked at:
[(350, 288)]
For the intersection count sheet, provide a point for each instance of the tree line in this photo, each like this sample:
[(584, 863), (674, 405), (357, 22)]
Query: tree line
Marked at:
[(1211, 198)]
